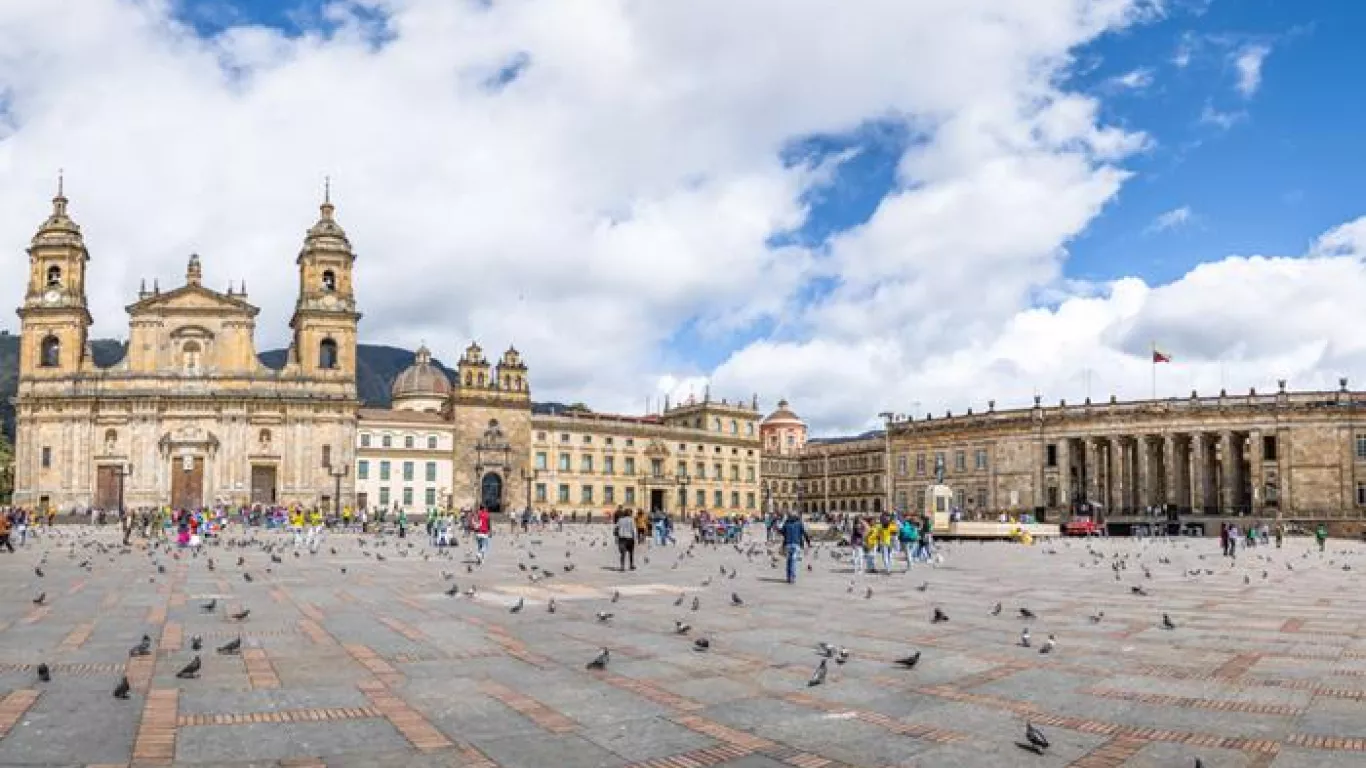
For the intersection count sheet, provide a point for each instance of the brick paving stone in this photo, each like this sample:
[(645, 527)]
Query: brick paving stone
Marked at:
[(378, 666)]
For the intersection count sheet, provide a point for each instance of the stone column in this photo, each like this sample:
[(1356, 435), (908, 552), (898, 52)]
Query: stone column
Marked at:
[(1118, 484), (1141, 496), (1169, 470), (1199, 473), (1093, 459), (1228, 471), (1065, 473), (1255, 497)]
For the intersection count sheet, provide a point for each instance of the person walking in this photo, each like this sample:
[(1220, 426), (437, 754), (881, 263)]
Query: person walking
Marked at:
[(910, 540), (5, 528), (858, 533), (483, 529), (1321, 534), (795, 539), (626, 538)]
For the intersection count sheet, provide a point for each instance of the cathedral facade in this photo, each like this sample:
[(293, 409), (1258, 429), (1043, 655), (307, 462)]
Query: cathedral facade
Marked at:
[(190, 416)]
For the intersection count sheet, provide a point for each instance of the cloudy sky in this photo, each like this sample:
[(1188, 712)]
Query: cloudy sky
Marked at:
[(860, 205)]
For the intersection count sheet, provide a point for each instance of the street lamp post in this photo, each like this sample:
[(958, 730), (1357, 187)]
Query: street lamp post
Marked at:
[(337, 471), (124, 470), (529, 476)]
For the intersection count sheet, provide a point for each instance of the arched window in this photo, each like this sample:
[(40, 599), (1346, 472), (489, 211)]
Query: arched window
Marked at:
[(329, 281), (54, 276), (716, 425), (734, 427), (327, 354), (519, 383), (749, 428), (480, 379), (468, 380), (51, 353), (111, 440), (190, 355)]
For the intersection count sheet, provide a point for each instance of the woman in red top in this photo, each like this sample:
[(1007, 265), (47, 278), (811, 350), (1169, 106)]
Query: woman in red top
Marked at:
[(482, 530)]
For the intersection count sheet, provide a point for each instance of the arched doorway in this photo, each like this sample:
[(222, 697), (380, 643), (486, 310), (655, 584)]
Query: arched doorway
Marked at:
[(491, 493)]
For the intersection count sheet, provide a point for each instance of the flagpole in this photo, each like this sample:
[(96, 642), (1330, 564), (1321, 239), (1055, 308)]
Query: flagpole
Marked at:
[(1152, 360)]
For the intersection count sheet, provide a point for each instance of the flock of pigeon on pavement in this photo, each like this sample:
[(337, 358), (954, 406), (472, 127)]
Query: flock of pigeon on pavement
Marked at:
[(80, 543)]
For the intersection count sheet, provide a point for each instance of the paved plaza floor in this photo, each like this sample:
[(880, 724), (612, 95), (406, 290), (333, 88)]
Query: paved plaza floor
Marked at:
[(357, 656)]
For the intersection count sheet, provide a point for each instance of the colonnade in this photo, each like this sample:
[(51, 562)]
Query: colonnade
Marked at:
[(1199, 472)]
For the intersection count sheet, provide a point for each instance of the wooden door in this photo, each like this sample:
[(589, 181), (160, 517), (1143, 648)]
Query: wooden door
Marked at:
[(187, 483), (107, 488), (263, 484)]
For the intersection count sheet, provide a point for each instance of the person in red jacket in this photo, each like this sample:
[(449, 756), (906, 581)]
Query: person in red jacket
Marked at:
[(482, 531)]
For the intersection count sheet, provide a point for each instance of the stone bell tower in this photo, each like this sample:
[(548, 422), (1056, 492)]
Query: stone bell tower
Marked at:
[(325, 316), (55, 318)]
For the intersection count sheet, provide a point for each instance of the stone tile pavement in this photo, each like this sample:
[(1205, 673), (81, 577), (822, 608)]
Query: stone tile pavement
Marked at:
[(356, 655)]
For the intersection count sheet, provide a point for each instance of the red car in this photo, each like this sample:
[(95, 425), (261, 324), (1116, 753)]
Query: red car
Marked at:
[(1082, 526)]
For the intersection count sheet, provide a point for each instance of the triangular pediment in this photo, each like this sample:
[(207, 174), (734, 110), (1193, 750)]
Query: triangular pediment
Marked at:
[(192, 298)]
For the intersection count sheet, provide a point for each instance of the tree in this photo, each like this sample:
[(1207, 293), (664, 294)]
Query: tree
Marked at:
[(6, 470)]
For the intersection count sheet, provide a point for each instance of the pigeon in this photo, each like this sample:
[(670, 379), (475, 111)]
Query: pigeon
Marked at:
[(735, 599), (44, 673), (246, 577), (842, 655), (679, 601), (923, 586), (1140, 591), (1024, 638), (143, 647), (996, 610), (696, 602), (1048, 644), (939, 616), (868, 595), (616, 595), (1035, 736), (196, 643), (37, 571), (40, 598), (521, 601), (1097, 616), (1167, 622), (191, 670), (121, 690), (909, 662), (1199, 763), (210, 606), (453, 591), (550, 606), (604, 616), (1025, 613), (701, 644), (825, 649), (241, 615), (231, 648), (680, 628), (600, 661), (818, 676)]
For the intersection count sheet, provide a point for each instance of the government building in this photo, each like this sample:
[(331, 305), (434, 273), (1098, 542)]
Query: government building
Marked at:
[(1282, 455)]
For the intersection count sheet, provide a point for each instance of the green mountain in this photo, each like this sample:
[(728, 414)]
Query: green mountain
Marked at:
[(376, 368)]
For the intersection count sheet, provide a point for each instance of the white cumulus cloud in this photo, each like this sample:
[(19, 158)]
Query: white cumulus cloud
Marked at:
[(1248, 62), (1172, 219)]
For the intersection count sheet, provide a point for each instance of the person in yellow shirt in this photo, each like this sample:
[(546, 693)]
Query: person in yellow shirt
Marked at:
[(872, 540)]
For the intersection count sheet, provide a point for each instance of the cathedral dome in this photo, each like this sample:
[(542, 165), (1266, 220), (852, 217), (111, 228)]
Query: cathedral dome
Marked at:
[(421, 379), (781, 416)]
